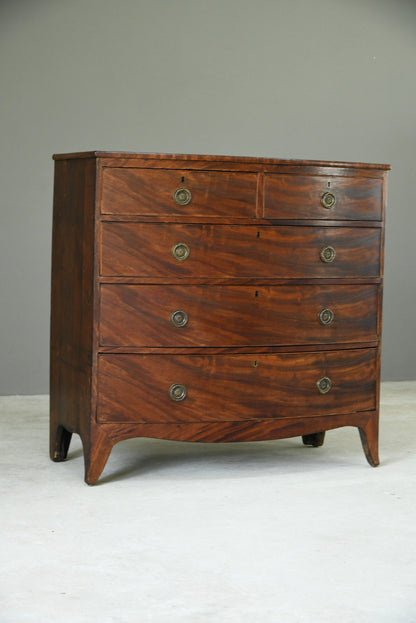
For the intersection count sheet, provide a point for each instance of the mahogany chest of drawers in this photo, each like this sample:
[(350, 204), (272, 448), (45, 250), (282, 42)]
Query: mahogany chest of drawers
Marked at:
[(214, 299)]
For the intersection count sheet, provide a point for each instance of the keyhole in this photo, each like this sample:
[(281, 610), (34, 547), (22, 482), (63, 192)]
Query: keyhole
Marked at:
[(256, 293), (329, 184), (258, 234), (182, 179), (255, 363)]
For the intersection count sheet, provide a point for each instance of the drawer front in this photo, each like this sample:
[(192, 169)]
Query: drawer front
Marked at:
[(320, 197), (156, 250), (182, 316), (188, 193), (195, 388)]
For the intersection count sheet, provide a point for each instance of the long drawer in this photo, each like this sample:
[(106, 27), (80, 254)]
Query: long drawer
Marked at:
[(186, 315), (151, 250), (197, 388)]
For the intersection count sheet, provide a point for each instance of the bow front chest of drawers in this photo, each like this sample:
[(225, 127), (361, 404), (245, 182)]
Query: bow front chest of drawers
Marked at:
[(214, 299)]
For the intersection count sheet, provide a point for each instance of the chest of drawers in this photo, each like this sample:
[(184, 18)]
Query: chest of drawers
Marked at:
[(213, 299)]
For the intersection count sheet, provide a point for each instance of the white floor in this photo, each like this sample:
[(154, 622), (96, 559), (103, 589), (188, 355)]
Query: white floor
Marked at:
[(245, 533)]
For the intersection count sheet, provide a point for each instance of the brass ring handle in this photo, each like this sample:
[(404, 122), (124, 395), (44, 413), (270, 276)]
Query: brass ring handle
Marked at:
[(324, 385), (328, 200), (179, 318), (182, 196), (327, 255), (180, 251), (326, 316), (177, 392)]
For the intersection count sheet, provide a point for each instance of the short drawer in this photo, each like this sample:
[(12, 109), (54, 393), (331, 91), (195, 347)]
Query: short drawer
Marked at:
[(187, 193), (196, 388), (169, 250), (226, 316), (322, 197)]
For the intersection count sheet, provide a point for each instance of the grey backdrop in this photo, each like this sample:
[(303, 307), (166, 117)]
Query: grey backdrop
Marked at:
[(320, 79)]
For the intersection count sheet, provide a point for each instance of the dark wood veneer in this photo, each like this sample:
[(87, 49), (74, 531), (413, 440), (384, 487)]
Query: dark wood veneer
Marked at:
[(140, 315), (149, 191), (144, 249), (286, 195), (234, 387), (253, 349)]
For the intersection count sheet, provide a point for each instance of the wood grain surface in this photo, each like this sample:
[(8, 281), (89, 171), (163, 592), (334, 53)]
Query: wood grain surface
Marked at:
[(145, 249), (298, 196), (140, 315), (72, 318), (150, 191), (234, 387)]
